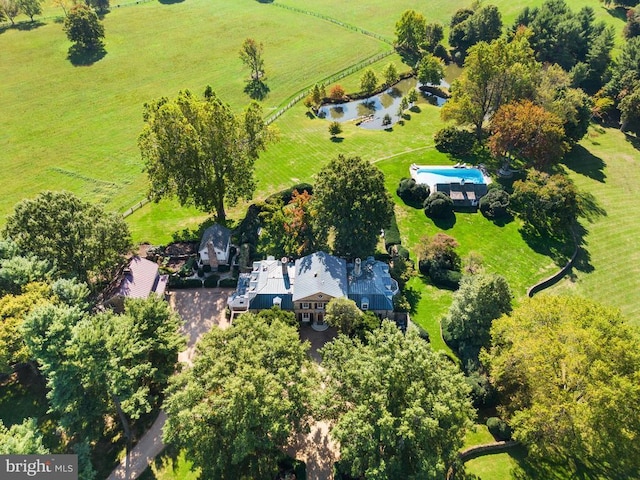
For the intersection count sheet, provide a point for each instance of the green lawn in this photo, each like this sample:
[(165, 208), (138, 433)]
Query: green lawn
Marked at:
[(76, 127), (608, 166)]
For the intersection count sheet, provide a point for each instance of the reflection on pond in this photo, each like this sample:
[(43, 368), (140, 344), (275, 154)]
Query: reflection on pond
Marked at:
[(370, 112)]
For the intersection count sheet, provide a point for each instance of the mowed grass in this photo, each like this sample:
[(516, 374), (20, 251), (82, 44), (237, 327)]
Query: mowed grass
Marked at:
[(76, 127), (608, 167)]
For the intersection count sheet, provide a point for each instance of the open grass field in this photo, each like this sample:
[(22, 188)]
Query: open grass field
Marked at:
[(76, 127), (608, 166)]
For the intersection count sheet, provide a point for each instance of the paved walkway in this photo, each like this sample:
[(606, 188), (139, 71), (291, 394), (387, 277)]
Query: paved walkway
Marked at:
[(201, 309)]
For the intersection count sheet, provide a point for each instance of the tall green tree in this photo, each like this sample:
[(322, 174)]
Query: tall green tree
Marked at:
[(248, 391), (390, 74), (80, 238), (495, 73), (106, 365), (83, 28), (199, 151), (251, 54), (430, 70), (344, 314), (352, 205), (480, 299), (368, 81), (410, 32), (568, 370), (546, 203), (483, 25), (30, 8), (400, 409)]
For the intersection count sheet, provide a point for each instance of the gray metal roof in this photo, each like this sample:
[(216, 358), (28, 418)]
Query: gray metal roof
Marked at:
[(374, 283), (218, 234), (320, 273)]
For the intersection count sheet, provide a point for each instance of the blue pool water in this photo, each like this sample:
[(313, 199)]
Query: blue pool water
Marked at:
[(471, 175)]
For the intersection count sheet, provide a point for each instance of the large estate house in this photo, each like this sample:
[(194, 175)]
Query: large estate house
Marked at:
[(307, 285)]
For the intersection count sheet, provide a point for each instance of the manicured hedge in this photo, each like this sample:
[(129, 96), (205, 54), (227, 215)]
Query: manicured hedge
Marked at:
[(391, 233), (177, 282), (211, 281), (438, 205), (228, 283), (412, 193)]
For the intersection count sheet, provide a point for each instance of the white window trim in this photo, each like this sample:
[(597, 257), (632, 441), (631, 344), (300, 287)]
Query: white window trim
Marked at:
[(305, 305)]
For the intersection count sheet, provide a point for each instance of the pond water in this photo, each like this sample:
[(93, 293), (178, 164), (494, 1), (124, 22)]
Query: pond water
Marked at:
[(370, 112)]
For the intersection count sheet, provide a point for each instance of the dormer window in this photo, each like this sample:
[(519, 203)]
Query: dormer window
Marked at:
[(364, 304)]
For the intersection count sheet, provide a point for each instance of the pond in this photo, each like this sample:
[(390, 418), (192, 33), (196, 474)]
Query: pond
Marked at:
[(370, 112)]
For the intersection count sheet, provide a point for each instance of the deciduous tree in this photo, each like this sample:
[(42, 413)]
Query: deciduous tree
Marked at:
[(335, 129), (528, 132), (80, 238), (430, 70), (480, 299), (352, 205), (200, 151), (482, 25), (401, 410), (251, 55), (248, 391), (10, 9), (390, 74), (83, 28), (345, 315), (410, 32), (368, 81), (568, 370), (494, 75), (546, 203), (30, 8)]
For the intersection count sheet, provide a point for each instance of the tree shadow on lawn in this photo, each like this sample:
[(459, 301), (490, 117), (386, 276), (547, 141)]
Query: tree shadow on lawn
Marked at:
[(618, 12), (559, 249), (337, 139), (501, 221), (582, 161), (170, 2), (445, 223), (257, 89), (538, 469), (23, 26), (413, 296), (633, 140), (82, 57)]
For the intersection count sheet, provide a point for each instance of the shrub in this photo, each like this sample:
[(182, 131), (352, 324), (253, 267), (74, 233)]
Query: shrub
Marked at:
[(177, 282), (211, 281), (206, 268), (499, 428), (403, 252), (228, 283), (386, 120), (438, 205), (495, 203), (412, 193), (201, 272), (444, 278), (223, 268), (337, 92), (455, 141), (391, 233), (401, 304)]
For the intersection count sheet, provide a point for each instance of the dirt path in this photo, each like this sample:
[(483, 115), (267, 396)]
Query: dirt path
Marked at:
[(201, 309)]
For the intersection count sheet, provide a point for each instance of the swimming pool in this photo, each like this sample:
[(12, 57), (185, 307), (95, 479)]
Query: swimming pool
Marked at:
[(431, 175)]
